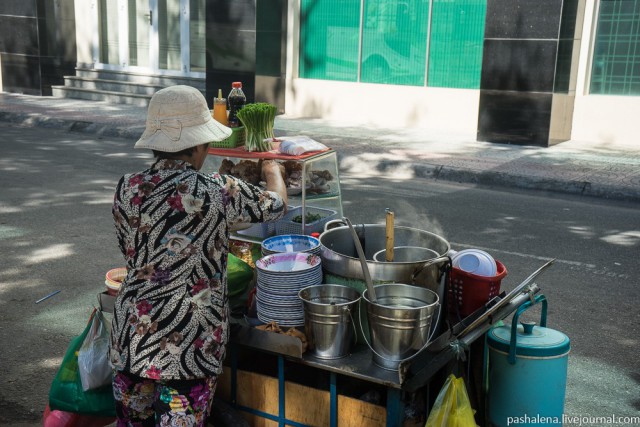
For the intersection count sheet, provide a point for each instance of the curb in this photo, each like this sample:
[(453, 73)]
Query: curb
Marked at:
[(487, 179), (101, 130), (493, 179)]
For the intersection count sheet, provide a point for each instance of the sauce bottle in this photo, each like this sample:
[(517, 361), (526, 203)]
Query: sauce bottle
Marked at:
[(236, 100), (220, 109)]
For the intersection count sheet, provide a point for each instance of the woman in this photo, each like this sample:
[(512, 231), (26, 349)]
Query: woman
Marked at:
[(170, 324)]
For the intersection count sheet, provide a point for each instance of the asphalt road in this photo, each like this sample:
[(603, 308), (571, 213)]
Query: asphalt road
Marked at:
[(56, 233), (593, 288)]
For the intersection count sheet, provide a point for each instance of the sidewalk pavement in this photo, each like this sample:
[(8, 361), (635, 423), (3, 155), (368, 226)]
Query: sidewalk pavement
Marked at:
[(602, 170)]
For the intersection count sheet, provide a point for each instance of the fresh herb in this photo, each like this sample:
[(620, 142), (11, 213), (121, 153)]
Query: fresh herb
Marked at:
[(308, 218), (258, 119)]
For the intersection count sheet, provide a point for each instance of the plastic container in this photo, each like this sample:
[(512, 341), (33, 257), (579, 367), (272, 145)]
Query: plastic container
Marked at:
[(288, 226), (475, 261), (113, 280), (220, 109), (527, 371), (236, 101), (260, 230), (468, 292)]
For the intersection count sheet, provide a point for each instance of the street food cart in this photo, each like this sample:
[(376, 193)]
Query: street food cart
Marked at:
[(272, 380)]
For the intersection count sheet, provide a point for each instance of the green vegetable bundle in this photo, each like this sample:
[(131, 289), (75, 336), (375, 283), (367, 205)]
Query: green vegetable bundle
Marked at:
[(258, 119)]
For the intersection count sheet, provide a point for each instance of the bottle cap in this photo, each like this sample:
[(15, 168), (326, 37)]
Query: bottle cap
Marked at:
[(236, 85)]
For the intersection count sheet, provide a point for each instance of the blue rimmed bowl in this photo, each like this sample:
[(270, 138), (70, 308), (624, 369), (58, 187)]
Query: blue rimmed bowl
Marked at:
[(290, 243)]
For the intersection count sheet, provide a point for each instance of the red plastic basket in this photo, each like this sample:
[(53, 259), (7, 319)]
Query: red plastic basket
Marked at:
[(470, 291)]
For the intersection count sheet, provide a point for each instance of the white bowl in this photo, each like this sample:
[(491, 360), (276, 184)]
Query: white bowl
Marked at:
[(289, 262), (475, 261)]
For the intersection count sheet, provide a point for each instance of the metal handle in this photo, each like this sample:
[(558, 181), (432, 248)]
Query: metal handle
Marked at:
[(363, 261), (370, 345), (514, 323), (150, 15), (416, 273), (328, 224)]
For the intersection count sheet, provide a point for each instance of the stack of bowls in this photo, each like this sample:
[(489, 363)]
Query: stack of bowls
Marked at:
[(280, 277), (290, 243)]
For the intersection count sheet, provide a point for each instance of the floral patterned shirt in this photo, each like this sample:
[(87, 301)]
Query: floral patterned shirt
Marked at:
[(171, 312)]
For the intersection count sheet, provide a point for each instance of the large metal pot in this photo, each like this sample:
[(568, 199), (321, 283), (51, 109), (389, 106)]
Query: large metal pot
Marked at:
[(339, 256)]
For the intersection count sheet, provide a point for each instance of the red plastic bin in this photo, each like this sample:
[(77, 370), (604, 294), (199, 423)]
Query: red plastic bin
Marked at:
[(471, 291)]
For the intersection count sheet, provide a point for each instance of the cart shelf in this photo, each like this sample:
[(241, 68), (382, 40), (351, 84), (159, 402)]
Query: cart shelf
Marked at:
[(319, 160)]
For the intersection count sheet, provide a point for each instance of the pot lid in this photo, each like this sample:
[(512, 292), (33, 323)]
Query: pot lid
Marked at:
[(531, 340)]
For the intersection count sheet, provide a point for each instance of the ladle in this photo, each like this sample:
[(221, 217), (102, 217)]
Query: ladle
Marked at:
[(363, 261), (389, 236)]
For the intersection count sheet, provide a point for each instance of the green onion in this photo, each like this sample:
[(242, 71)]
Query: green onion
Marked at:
[(258, 119)]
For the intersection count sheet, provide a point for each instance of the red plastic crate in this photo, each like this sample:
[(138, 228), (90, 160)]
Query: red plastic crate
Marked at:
[(470, 291)]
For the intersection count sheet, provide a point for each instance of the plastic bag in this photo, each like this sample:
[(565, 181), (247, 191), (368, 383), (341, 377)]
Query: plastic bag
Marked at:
[(66, 393), (69, 419), (297, 145), (239, 274), (452, 407), (93, 356)]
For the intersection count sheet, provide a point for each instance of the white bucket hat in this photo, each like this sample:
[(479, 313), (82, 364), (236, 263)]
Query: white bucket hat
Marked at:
[(179, 118)]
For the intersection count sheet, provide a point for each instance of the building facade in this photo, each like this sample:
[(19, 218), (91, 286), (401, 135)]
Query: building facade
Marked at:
[(532, 72)]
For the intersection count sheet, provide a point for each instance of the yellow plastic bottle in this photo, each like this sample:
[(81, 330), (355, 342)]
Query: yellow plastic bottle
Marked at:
[(220, 109)]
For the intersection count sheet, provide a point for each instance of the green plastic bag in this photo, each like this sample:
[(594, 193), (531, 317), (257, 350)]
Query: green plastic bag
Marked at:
[(239, 274), (66, 393), (452, 407)]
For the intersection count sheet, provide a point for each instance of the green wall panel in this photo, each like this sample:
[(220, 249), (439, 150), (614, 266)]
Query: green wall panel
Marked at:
[(616, 57), (394, 42), (455, 50), (329, 39)]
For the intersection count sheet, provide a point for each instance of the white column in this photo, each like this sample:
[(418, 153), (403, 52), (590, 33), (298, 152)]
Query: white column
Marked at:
[(185, 36), (154, 39), (123, 33)]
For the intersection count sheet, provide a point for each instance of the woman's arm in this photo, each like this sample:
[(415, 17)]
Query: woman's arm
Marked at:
[(272, 173)]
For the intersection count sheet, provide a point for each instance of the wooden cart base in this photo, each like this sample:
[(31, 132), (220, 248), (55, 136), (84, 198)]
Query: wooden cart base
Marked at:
[(258, 401)]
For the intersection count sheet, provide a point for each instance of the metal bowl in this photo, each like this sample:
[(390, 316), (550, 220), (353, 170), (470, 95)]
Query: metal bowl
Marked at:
[(407, 254)]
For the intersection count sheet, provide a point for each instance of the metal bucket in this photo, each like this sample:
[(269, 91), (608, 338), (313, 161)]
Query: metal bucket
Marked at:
[(329, 313), (399, 322), (339, 257)]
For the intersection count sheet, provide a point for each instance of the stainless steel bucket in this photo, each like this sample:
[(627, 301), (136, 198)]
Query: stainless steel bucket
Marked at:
[(329, 313), (399, 322), (339, 257)]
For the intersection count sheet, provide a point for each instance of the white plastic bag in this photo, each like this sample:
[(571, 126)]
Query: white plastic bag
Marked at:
[(297, 145), (93, 356)]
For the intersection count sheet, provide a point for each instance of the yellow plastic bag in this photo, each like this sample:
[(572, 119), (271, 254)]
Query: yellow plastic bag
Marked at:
[(452, 407)]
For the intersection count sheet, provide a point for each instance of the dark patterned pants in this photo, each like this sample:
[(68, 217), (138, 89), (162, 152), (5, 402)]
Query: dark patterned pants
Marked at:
[(142, 402)]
